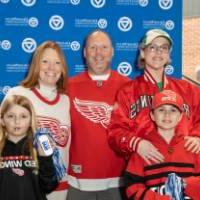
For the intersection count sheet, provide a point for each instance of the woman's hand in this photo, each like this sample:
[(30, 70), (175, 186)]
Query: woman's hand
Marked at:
[(149, 153), (192, 144)]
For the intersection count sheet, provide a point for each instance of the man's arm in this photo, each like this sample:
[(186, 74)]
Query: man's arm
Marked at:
[(121, 131)]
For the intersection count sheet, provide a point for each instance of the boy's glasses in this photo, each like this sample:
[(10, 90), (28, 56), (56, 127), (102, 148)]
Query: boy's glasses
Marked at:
[(155, 48)]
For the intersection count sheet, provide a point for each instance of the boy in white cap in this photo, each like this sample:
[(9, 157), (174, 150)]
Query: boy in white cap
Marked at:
[(153, 182), (133, 101)]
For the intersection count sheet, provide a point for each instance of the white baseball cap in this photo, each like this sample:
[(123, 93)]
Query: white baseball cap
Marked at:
[(154, 33)]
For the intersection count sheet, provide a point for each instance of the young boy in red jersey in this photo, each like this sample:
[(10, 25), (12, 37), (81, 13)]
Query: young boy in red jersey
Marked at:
[(149, 182)]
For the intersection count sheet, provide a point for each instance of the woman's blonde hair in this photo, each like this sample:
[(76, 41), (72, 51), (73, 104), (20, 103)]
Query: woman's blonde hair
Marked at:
[(33, 74), (25, 103)]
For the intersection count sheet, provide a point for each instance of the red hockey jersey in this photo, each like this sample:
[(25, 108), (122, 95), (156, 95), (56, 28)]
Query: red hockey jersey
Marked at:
[(147, 182), (93, 164), (132, 111)]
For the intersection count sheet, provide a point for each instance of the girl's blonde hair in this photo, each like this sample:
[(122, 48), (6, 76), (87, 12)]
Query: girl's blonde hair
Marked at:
[(25, 103), (33, 74)]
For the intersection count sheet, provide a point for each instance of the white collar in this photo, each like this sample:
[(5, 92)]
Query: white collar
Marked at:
[(103, 77), (48, 91)]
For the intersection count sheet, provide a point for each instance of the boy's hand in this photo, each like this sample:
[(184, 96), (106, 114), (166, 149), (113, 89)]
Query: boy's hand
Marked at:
[(192, 144)]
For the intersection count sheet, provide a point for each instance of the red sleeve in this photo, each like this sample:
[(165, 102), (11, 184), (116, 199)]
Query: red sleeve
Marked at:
[(195, 107), (134, 179), (124, 131), (121, 130), (193, 183), (192, 187), (191, 120)]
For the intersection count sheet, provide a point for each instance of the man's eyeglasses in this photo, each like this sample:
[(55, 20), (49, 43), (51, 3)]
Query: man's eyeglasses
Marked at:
[(155, 48)]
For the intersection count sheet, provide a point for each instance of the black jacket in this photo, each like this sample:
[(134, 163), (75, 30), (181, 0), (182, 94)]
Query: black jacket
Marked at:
[(20, 179)]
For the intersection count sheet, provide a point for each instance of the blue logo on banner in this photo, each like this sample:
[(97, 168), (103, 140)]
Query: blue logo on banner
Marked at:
[(98, 3), (75, 46), (169, 25), (6, 45), (75, 2), (33, 22), (28, 3), (169, 69), (124, 68), (125, 24), (143, 3), (4, 1), (5, 89), (29, 45), (165, 4), (102, 23), (56, 22)]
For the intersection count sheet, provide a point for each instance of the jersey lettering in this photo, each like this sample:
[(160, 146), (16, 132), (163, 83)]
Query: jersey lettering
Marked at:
[(161, 190), (145, 101), (142, 102)]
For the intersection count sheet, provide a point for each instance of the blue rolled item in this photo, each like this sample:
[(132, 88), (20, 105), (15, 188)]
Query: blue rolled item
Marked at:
[(60, 168), (174, 187)]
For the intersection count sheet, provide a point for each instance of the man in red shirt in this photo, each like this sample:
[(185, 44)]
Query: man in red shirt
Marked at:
[(95, 170)]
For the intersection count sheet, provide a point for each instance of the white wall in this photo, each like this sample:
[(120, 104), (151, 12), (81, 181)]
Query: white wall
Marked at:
[(191, 8)]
